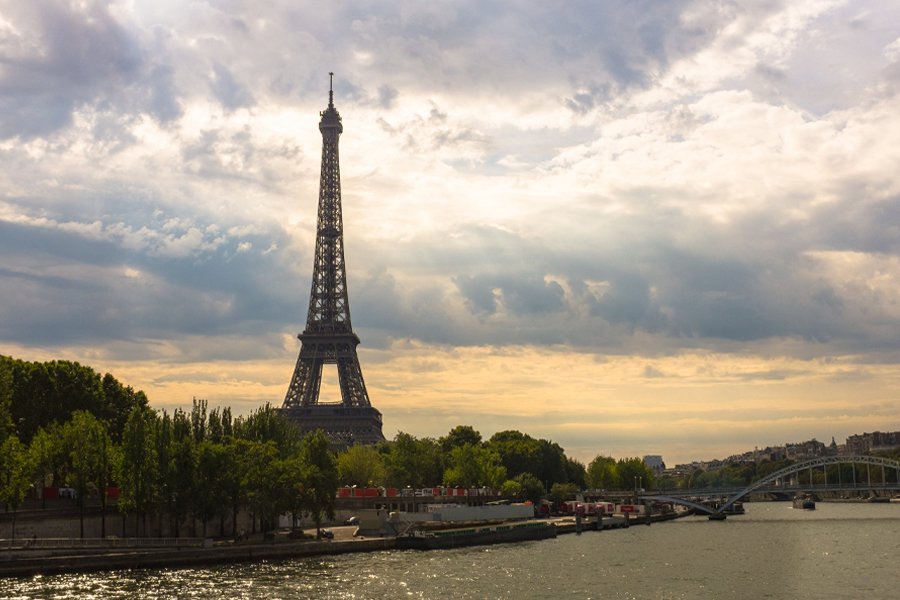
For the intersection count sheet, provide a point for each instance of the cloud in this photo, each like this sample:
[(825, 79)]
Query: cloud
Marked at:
[(59, 56), (229, 92), (639, 182)]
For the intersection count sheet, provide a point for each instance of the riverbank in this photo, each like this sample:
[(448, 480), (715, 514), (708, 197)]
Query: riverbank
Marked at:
[(141, 558), (46, 560)]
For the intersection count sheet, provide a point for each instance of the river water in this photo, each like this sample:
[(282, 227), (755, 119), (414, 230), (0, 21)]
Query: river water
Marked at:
[(837, 551)]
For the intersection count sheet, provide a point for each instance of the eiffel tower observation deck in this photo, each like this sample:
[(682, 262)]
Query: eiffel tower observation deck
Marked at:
[(328, 337)]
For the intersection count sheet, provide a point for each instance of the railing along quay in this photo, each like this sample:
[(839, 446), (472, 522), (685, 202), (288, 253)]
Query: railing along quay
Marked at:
[(99, 543)]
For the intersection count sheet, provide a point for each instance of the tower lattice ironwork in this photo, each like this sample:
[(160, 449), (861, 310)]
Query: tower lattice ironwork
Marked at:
[(328, 337)]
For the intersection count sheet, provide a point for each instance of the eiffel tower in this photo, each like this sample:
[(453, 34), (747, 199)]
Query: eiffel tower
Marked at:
[(328, 337)]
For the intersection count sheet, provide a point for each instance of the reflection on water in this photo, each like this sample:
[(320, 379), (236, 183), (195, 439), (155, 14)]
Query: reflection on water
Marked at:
[(837, 551)]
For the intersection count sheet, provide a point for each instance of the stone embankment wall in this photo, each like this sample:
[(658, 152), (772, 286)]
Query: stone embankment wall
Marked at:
[(61, 520)]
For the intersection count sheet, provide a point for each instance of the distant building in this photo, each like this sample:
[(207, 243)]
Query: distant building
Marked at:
[(864, 443), (655, 462), (872, 442)]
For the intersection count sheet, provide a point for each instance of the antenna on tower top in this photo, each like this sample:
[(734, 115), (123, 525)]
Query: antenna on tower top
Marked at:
[(331, 89)]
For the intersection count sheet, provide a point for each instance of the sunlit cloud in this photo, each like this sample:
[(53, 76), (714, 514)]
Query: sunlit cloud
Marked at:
[(605, 229)]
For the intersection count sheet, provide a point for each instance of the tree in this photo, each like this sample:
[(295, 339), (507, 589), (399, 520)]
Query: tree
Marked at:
[(634, 472), (412, 462), (6, 395), (601, 473), (45, 458), (474, 466), (360, 466), (234, 480), (266, 425), (182, 470), (34, 395), (14, 471), (198, 419), (554, 466), (208, 500), (511, 489), (321, 484), (118, 402), (295, 477), (560, 492), (52, 391), (163, 431), (697, 479), (575, 472), (458, 437), (137, 474), (519, 453), (532, 488), (263, 476), (87, 446)]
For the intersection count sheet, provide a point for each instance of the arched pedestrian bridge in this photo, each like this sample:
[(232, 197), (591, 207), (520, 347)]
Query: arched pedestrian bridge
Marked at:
[(788, 480)]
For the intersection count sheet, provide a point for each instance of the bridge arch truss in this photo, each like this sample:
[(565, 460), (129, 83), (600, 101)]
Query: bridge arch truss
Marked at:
[(809, 465)]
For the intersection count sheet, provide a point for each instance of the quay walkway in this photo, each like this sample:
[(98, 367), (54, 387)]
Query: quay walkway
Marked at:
[(46, 557)]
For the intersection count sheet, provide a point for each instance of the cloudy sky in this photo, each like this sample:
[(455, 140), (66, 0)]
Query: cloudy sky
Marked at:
[(630, 226)]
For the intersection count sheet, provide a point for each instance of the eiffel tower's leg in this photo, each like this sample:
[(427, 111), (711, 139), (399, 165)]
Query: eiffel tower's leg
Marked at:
[(353, 388), (306, 381), (314, 383)]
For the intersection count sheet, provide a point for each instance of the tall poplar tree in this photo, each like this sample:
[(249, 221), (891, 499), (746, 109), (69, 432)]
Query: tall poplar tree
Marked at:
[(138, 465), (14, 471), (321, 478)]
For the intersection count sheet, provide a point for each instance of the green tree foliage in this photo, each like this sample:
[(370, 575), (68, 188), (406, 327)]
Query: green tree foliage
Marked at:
[(296, 476), (14, 475), (321, 478), (575, 472), (233, 481), (266, 425), (766, 468), (166, 487), (52, 391), (360, 466), (38, 394), (138, 467), (546, 460), (6, 395), (667, 483), (555, 467), (88, 448), (511, 489), (181, 468), (412, 462), (633, 472), (560, 492), (207, 498), (458, 437), (263, 480), (601, 474), (519, 453), (198, 420), (474, 466), (532, 488), (117, 404), (46, 458)]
